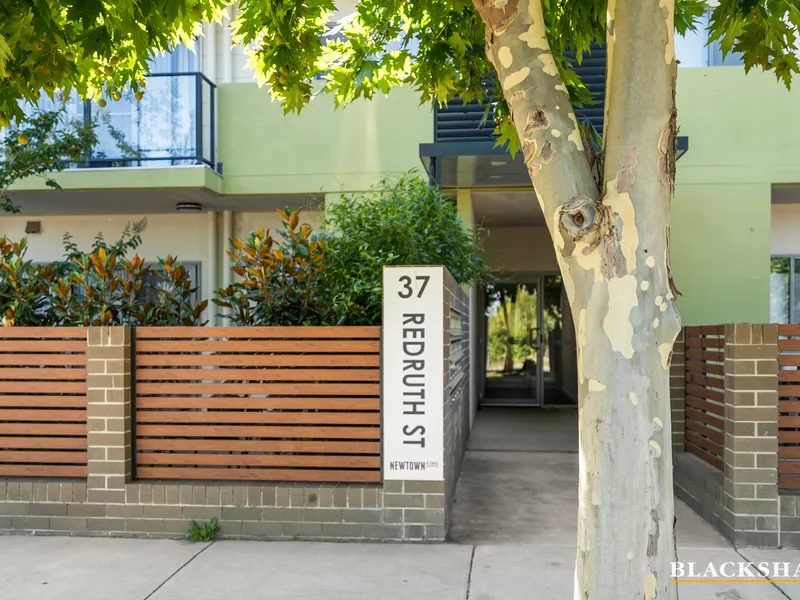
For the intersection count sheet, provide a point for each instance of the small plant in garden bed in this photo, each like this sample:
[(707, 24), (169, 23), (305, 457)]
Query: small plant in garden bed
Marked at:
[(202, 532)]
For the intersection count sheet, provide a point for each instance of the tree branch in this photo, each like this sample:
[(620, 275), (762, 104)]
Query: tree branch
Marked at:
[(517, 46)]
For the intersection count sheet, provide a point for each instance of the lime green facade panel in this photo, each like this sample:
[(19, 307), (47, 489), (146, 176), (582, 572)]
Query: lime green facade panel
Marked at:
[(320, 150), (179, 177), (743, 132)]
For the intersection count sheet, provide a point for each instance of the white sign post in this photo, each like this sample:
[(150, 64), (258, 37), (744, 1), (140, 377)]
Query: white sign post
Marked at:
[(413, 381)]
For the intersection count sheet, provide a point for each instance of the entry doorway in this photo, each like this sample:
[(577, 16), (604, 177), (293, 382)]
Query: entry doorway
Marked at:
[(529, 347)]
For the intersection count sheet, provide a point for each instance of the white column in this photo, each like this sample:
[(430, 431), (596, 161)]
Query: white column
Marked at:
[(226, 52), (210, 68), (227, 233), (211, 277)]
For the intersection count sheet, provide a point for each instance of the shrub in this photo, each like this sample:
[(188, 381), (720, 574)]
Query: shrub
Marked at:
[(281, 283), (101, 287), (22, 286), (403, 222)]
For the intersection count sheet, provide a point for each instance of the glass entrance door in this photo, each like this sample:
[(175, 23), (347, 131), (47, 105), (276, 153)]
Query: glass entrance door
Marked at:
[(530, 344), (512, 344), (558, 351)]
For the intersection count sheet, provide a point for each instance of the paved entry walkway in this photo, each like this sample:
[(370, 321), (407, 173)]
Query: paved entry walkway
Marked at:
[(519, 482)]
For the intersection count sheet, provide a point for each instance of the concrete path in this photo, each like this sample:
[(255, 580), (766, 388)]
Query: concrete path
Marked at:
[(55, 568)]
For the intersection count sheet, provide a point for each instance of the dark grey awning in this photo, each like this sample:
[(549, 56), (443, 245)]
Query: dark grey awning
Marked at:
[(482, 165)]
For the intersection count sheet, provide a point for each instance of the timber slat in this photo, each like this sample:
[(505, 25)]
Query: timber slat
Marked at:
[(43, 471), (44, 443), (789, 375), (788, 360), (789, 406), (43, 457), (230, 375), (704, 392), (234, 431), (258, 360), (788, 468), (704, 430), (705, 380), (702, 454), (789, 329), (787, 421), (285, 389), (789, 391), (59, 333), (42, 360), (705, 405), (59, 429), (20, 401), (712, 329), (788, 345), (16, 345), (705, 355), (24, 414), (336, 476), (260, 417), (705, 444), (217, 445), (788, 451), (327, 346), (789, 437), (705, 342), (702, 367), (789, 483), (258, 460), (257, 332), (44, 387), (32, 373), (273, 403)]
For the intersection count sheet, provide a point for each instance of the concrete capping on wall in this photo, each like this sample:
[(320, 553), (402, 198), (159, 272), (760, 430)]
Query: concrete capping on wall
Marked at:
[(747, 510), (110, 502)]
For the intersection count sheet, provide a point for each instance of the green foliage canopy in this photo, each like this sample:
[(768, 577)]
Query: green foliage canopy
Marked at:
[(100, 46)]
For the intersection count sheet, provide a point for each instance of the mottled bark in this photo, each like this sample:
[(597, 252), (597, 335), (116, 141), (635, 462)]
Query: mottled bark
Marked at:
[(612, 248)]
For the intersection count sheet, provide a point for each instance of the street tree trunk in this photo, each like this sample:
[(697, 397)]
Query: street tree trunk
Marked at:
[(612, 244)]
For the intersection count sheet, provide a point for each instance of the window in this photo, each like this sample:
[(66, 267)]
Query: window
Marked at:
[(192, 268), (694, 50), (784, 290), (180, 60)]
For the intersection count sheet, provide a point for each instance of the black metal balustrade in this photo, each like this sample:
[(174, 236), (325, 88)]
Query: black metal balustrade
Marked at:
[(173, 123)]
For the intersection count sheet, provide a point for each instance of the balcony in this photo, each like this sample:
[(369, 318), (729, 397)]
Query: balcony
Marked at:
[(174, 124), (169, 136)]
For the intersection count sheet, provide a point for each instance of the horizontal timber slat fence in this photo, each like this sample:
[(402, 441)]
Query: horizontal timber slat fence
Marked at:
[(789, 406), (705, 393), (43, 429), (258, 403)]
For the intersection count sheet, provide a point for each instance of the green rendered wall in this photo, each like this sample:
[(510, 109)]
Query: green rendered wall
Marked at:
[(743, 132), (322, 149)]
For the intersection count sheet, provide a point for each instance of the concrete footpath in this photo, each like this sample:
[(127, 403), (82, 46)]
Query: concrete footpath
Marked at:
[(62, 568)]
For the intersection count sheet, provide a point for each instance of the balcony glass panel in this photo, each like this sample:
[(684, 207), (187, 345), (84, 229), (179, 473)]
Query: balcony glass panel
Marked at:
[(161, 128)]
